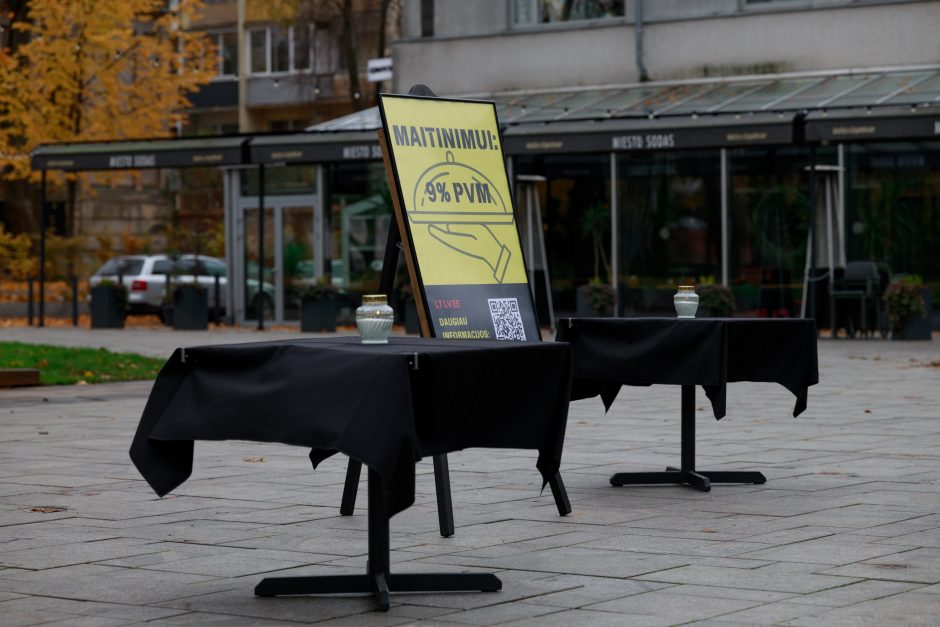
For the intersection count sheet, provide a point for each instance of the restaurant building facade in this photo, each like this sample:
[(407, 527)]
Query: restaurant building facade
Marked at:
[(635, 166)]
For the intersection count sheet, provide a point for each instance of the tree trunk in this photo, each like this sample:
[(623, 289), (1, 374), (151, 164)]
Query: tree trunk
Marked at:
[(349, 52), (380, 52)]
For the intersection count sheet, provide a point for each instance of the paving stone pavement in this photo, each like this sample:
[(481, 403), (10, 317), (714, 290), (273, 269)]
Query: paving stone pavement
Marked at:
[(845, 532)]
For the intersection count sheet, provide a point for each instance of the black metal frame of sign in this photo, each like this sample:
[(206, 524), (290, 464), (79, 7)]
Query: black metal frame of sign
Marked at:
[(394, 244)]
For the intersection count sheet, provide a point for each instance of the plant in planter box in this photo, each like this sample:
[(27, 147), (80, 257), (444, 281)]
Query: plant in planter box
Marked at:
[(108, 305), (714, 301), (601, 297), (598, 295), (907, 311), (318, 305)]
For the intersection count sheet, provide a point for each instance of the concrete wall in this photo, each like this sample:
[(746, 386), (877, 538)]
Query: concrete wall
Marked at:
[(507, 62), (593, 53)]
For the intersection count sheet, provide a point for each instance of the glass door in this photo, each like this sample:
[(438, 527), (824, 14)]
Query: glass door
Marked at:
[(297, 256), (293, 254), (256, 292)]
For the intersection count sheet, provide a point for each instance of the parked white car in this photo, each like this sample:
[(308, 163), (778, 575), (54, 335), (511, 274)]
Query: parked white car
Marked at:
[(145, 277)]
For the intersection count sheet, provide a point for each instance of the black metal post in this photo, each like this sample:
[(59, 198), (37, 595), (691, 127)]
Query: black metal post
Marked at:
[(260, 295), (29, 301), (42, 251), (217, 310), (688, 428), (811, 292), (445, 507), (74, 301)]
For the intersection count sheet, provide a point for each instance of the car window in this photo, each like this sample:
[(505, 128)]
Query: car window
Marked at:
[(213, 268), (122, 266), (186, 266), (163, 266)]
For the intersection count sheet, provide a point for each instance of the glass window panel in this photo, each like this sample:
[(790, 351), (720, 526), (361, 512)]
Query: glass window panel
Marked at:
[(228, 53), (325, 51), (775, 91), (303, 46), (575, 205), (821, 92), (280, 50), (663, 98), (259, 50), (280, 180), (713, 98), (926, 91), (877, 89), (551, 11), (360, 212), (669, 216), (769, 222), (892, 196)]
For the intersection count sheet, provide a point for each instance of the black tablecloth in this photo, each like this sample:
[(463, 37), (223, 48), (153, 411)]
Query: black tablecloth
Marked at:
[(610, 352), (386, 405)]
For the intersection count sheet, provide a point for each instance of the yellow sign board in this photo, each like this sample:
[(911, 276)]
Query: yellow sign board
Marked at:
[(454, 194)]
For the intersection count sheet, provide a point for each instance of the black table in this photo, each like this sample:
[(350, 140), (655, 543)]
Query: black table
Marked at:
[(386, 406), (711, 352)]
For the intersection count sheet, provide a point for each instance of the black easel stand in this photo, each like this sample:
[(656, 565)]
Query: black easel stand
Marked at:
[(445, 509), (378, 579), (687, 475)]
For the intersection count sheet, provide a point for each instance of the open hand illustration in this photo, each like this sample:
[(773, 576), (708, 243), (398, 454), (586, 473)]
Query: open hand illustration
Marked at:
[(474, 240)]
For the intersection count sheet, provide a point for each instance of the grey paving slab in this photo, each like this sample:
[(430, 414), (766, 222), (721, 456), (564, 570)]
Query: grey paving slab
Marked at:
[(845, 532)]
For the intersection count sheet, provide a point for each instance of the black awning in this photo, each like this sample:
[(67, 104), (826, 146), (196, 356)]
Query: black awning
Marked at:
[(316, 147), (133, 155), (886, 124), (639, 134)]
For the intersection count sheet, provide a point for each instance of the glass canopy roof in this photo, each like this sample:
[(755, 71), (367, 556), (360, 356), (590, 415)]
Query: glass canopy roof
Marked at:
[(918, 86)]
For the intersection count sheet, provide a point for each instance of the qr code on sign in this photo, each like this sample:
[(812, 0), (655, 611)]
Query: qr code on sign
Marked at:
[(506, 319)]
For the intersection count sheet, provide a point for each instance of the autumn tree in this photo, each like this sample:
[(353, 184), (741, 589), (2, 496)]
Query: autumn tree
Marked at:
[(97, 70)]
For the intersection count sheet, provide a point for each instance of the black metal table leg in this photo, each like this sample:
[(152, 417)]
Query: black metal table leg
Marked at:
[(445, 507), (378, 580), (560, 494), (687, 474), (351, 487)]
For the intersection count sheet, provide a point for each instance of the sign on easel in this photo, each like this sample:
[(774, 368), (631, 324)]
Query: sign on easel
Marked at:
[(455, 212)]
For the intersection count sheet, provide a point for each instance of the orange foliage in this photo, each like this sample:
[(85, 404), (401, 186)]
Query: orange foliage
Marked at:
[(98, 69)]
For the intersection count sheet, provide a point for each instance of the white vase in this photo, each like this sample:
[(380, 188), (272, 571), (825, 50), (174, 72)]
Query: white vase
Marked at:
[(374, 319), (686, 301)]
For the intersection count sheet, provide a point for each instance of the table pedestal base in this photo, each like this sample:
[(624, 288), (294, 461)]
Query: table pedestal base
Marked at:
[(377, 580), (687, 474), (379, 584), (701, 479)]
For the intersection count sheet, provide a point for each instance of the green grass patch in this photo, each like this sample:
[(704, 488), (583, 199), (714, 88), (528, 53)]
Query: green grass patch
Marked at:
[(59, 365)]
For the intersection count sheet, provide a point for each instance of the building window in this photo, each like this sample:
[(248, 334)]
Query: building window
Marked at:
[(302, 47), (281, 50), (227, 44), (532, 12), (259, 50)]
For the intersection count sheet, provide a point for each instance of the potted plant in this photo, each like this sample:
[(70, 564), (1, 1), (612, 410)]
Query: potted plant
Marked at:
[(190, 307), (715, 301), (597, 297), (601, 297), (108, 305), (318, 305), (905, 301)]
